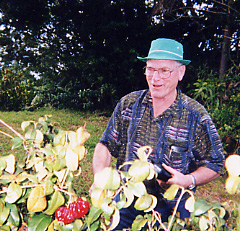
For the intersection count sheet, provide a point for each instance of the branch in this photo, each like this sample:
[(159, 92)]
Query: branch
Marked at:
[(6, 134), (14, 131)]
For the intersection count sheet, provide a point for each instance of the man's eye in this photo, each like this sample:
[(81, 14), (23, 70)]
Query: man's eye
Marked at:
[(151, 69), (165, 70)]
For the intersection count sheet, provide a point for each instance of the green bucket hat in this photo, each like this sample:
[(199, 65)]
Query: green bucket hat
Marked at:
[(166, 49)]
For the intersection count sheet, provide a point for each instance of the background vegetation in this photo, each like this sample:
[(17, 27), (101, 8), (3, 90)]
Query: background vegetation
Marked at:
[(81, 54)]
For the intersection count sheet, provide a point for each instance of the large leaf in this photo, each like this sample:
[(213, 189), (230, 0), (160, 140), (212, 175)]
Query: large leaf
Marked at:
[(82, 135), (232, 164), (71, 159), (30, 134), (129, 195), (115, 220), (60, 138), (14, 192), (36, 201), (39, 222), (97, 197), (56, 201), (14, 217), (10, 159), (143, 152), (232, 183), (203, 223), (139, 170), (144, 202), (137, 188), (5, 228), (171, 193), (108, 178), (189, 205), (4, 214), (93, 215), (80, 150), (201, 207), (16, 142), (139, 223), (25, 125), (3, 164)]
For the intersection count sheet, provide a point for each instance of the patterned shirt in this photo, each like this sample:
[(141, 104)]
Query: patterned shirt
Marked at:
[(184, 136)]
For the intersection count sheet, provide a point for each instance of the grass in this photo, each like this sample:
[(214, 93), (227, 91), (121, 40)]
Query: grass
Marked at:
[(95, 124)]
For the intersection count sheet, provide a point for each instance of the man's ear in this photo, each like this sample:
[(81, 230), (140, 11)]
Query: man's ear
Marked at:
[(182, 70)]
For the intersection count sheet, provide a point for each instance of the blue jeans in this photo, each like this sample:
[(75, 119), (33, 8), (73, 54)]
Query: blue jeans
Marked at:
[(164, 207)]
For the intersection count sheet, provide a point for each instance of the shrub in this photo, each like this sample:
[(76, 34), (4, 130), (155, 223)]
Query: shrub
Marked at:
[(221, 97)]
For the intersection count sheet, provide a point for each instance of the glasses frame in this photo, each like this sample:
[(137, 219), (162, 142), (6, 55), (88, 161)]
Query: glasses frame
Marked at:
[(161, 74)]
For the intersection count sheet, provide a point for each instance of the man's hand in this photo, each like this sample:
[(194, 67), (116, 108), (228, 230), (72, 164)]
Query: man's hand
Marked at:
[(202, 175), (177, 178)]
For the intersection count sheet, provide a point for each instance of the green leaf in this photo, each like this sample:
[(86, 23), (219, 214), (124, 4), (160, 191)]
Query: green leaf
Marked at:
[(48, 187), (201, 207), (14, 217), (138, 223), (60, 138), (25, 124), (30, 134), (137, 188), (108, 178), (143, 202), (4, 215), (189, 205), (139, 170), (14, 192), (3, 164), (93, 215), (171, 192), (5, 228), (129, 195), (16, 142), (10, 160), (56, 201), (203, 223), (39, 222), (71, 159), (106, 208)]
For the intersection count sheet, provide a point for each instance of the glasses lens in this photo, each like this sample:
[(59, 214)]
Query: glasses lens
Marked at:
[(164, 73)]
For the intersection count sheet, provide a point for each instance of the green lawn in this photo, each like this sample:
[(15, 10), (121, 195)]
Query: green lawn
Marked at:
[(95, 124)]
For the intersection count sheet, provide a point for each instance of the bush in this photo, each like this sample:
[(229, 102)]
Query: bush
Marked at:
[(221, 97), (15, 90)]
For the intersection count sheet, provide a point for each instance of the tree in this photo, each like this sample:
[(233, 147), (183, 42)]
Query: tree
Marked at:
[(209, 27)]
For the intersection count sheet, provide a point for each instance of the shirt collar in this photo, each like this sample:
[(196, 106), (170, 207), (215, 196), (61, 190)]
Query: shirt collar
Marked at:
[(175, 109)]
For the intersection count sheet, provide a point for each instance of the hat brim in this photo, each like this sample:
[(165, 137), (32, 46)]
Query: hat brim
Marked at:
[(183, 61)]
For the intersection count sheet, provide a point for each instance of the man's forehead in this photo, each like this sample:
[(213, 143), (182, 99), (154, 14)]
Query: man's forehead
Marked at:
[(162, 62)]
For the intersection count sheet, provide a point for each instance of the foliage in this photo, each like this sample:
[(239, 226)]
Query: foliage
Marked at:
[(43, 182), (15, 90), (221, 97), (88, 47)]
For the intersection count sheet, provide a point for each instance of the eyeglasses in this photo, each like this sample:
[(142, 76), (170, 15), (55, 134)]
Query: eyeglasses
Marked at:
[(165, 73)]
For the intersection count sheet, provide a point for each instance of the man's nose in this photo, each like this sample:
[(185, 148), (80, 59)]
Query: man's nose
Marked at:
[(156, 75)]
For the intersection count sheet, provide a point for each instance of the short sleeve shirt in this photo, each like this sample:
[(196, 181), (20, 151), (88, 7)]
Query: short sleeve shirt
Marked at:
[(183, 137)]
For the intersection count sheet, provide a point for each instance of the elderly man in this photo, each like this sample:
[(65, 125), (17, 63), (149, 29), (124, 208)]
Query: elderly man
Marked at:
[(180, 131)]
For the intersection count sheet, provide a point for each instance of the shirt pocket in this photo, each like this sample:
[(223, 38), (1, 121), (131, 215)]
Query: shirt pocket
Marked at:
[(179, 158)]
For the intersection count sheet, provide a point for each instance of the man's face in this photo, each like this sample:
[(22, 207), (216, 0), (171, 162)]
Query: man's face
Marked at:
[(162, 78)]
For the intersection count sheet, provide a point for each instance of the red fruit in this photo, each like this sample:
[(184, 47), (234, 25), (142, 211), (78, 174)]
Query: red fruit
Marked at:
[(60, 213), (84, 206), (69, 217), (64, 214), (75, 208)]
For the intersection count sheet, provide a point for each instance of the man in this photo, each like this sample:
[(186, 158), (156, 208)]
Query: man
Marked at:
[(180, 131)]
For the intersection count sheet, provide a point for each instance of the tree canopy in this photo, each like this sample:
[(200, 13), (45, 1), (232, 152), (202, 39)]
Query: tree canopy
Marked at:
[(84, 51)]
